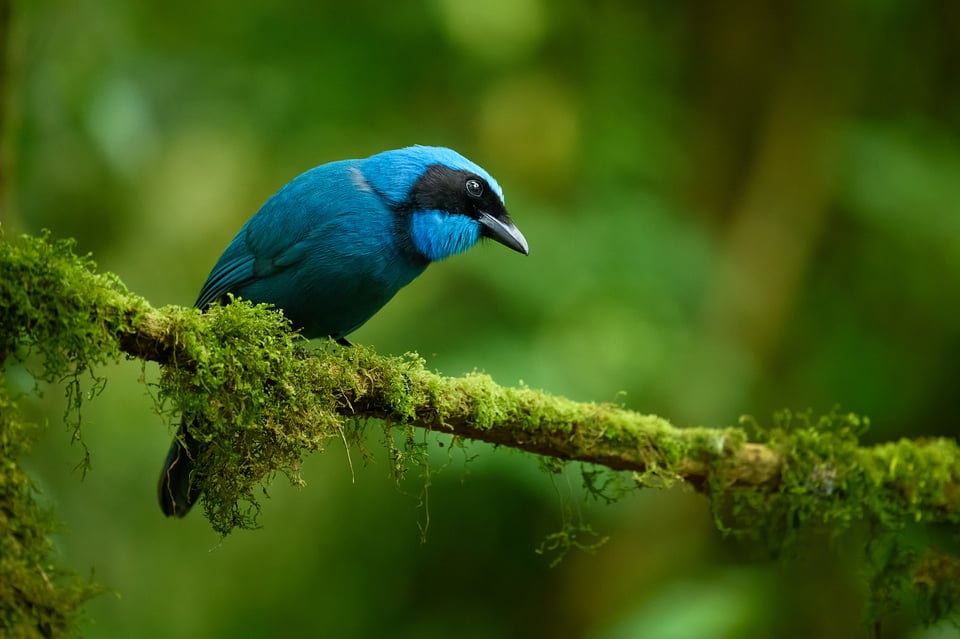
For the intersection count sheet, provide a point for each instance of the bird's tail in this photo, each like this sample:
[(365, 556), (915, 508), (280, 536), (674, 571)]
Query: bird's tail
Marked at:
[(177, 490)]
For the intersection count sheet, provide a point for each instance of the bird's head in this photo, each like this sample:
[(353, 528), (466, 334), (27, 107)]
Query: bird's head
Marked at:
[(449, 201)]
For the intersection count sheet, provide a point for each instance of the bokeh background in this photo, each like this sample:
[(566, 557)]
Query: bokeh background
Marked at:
[(731, 209)]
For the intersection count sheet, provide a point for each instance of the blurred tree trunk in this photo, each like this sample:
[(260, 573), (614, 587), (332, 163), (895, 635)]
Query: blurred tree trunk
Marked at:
[(6, 146), (776, 81)]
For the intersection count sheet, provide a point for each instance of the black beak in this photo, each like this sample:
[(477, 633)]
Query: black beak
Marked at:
[(503, 230)]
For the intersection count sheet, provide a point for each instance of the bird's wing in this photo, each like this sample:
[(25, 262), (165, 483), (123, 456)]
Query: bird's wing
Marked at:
[(286, 229), (265, 246), (234, 269)]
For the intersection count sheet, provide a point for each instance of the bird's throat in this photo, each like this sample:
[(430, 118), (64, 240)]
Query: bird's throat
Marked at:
[(438, 235)]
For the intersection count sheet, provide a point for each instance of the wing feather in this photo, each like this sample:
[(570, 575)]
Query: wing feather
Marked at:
[(280, 235), (227, 277)]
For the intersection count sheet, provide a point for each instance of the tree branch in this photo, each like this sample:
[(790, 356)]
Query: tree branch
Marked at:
[(249, 388)]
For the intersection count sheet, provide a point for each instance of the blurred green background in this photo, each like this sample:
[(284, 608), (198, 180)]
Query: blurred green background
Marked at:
[(731, 208)]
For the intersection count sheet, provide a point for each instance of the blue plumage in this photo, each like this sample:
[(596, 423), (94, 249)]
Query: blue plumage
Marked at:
[(337, 242)]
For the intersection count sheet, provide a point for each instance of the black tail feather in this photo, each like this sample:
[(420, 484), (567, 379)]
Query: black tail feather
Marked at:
[(177, 490)]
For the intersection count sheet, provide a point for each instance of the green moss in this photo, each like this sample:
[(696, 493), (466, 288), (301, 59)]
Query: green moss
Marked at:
[(573, 536), (46, 319), (251, 396), (36, 598), (921, 475), (827, 479), (828, 482), (250, 390)]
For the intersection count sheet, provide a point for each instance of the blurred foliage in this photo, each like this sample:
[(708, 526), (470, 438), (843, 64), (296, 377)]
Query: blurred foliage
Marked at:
[(731, 209)]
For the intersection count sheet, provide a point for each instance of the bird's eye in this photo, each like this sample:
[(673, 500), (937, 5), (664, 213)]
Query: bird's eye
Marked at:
[(474, 188)]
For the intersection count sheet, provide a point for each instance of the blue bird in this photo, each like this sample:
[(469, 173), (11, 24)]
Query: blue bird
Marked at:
[(337, 242)]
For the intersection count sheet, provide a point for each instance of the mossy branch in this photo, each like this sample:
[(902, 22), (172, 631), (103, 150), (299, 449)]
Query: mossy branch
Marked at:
[(251, 390)]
